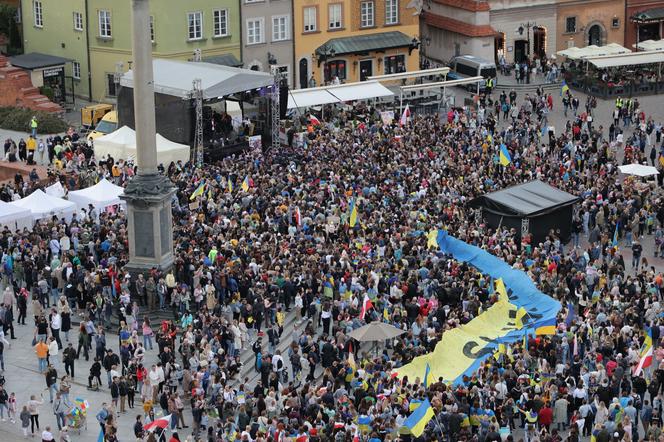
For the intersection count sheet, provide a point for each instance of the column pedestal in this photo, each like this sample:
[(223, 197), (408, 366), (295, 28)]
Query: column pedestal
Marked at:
[(150, 223)]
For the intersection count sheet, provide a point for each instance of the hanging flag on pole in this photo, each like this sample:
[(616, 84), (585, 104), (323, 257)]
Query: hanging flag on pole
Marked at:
[(352, 219), (245, 184), (161, 422), (313, 120), (564, 89), (199, 191), (298, 217), (645, 360), (505, 158), (427, 371)]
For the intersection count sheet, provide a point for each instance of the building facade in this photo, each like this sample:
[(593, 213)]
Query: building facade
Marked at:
[(267, 36), (582, 23), (350, 40), (96, 35), (643, 21)]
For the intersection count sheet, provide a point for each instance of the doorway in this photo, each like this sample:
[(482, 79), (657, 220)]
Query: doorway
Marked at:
[(366, 69), (521, 50), (304, 73), (539, 41), (595, 35), (649, 32), (499, 47)]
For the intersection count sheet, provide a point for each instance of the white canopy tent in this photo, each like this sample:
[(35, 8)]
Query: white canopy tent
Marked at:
[(336, 94), (43, 206), (411, 74), (438, 85), (16, 218), (650, 45), (121, 144), (633, 59), (575, 53), (101, 195), (174, 77)]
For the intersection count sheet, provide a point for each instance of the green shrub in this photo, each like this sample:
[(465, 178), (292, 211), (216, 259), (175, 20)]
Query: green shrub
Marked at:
[(18, 119), (47, 92)]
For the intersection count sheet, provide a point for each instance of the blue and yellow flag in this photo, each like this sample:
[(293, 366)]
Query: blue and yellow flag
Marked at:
[(245, 184), (615, 236), (505, 158), (352, 219), (230, 184), (364, 423), (564, 89), (199, 191), (418, 420), (427, 370)]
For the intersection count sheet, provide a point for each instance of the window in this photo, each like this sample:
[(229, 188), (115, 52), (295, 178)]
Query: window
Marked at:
[(395, 64), (335, 68), (570, 24), (366, 14), (615, 22), (152, 28), (76, 70), (255, 31), (334, 13), (19, 16), (39, 13), (391, 12), (110, 85), (195, 25), (280, 28), (105, 23), (310, 19), (220, 22), (78, 21)]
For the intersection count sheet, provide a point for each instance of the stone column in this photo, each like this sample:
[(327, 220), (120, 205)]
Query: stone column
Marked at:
[(148, 194)]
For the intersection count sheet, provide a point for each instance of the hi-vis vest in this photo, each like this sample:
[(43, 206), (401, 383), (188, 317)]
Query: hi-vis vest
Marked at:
[(489, 82), (619, 103)]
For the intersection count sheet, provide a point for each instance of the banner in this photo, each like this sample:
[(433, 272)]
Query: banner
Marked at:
[(461, 350), (255, 142), (387, 117)]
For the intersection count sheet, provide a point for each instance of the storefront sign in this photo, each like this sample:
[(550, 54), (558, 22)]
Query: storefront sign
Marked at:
[(53, 72)]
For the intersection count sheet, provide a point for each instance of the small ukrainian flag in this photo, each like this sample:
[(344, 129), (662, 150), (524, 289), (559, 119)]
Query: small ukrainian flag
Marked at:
[(230, 184), (352, 220), (505, 158), (564, 89), (245, 184)]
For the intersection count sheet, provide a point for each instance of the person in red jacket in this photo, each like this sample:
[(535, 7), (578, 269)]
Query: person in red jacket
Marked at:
[(545, 416)]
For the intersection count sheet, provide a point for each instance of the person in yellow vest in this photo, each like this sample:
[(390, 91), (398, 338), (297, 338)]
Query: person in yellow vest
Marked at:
[(489, 85), (619, 103), (33, 126), (31, 144)]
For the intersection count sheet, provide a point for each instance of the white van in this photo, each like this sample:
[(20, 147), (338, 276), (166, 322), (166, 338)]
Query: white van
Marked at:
[(465, 66)]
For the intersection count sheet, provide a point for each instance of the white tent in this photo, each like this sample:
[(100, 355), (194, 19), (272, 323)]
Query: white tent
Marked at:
[(575, 53), (14, 217), (315, 96), (650, 45), (121, 144), (43, 206), (101, 195)]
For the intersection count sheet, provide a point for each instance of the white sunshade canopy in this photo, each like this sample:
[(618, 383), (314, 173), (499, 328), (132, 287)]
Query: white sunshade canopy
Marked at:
[(174, 77), (650, 45), (121, 144), (43, 206), (337, 94), (410, 74), (101, 195), (641, 170), (16, 218), (575, 53), (635, 58)]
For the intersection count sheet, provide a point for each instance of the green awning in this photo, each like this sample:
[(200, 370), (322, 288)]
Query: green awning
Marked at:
[(649, 15), (224, 60), (365, 43)]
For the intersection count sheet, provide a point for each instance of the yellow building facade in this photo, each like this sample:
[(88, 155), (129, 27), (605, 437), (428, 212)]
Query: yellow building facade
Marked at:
[(349, 40)]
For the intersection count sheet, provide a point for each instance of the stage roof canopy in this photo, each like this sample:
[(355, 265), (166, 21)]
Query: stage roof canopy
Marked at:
[(174, 77), (337, 94), (529, 199)]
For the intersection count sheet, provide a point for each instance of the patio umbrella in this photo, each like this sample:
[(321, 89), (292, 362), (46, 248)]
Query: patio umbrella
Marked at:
[(638, 170), (376, 331)]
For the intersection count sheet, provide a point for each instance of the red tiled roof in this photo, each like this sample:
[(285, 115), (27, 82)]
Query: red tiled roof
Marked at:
[(468, 5), (458, 27)]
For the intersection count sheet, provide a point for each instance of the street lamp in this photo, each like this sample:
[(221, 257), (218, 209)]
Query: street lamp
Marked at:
[(526, 27), (322, 54)]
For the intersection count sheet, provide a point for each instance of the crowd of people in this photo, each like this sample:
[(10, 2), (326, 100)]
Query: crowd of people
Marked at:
[(267, 263)]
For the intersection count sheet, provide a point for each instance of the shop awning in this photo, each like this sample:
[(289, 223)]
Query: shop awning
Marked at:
[(410, 74), (365, 43), (224, 60), (633, 59), (649, 15), (36, 60), (337, 94)]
